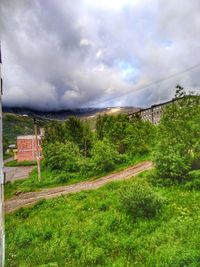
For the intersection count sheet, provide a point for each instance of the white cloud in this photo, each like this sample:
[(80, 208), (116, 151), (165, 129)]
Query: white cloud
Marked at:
[(60, 54)]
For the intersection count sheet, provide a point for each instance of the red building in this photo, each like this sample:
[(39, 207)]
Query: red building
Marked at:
[(27, 147)]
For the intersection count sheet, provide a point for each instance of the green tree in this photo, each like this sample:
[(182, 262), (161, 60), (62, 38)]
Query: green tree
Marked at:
[(140, 137), (78, 132), (62, 156), (104, 155), (54, 132), (179, 136), (113, 128)]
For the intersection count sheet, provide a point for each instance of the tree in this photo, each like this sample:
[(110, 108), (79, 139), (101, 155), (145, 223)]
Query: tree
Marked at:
[(179, 136), (62, 156), (104, 155), (113, 128), (78, 132), (139, 137), (54, 132)]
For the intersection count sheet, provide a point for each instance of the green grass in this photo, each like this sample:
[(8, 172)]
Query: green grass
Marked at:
[(53, 179), (14, 125), (92, 229), (7, 156), (15, 163)]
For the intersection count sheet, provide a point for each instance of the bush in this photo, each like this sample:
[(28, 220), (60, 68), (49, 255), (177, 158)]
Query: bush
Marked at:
[(104, 156), (179, 133), (62, 178), (140, 201), (194, 182), (62, 156), (172, 162)]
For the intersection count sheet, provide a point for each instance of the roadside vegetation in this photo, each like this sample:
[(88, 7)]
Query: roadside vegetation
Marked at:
[(109, 227), (73, 152), (15, 163), (151, 220), (53, 178), (7, 155)]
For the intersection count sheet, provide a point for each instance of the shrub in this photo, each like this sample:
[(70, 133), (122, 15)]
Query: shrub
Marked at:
[(194, 182), (104, 156), (62, 156), (178, 134), (172, 161), (140, 201), (62, 178)]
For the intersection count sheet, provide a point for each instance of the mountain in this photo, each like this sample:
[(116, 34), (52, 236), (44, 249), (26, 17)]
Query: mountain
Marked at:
[(19, 121), (64, 114)]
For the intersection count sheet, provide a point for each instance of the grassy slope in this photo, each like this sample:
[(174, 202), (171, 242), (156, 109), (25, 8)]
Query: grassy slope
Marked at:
[(15, 163), (92, 229), (51, 179), (14, 125)]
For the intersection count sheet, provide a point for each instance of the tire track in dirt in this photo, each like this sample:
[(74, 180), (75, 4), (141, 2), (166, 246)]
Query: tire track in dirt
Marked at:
[(30, 198)]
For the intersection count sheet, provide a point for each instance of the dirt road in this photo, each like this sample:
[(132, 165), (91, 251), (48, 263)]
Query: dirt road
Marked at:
[(16, 173), (31, 198)]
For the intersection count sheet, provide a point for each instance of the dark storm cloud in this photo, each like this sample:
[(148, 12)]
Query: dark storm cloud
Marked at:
[(62, 54)]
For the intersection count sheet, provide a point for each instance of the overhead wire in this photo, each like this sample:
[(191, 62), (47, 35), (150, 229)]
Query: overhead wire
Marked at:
[(149, 85)]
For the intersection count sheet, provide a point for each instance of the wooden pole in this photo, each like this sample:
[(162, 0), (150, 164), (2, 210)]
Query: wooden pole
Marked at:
[(37, 150)]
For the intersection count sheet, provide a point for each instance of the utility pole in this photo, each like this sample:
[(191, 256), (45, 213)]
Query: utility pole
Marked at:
[(37, 149), (2, 229)]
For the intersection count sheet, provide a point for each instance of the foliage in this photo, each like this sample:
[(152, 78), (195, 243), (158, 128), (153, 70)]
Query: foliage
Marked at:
[(139, 137), (7, 155), (72, 130), (5, 144), (15, 125), (104, 156), (140, 200), (54, 132), (91, 229), (15, 163), (130, 135), (58, 177), (194, 180), (179, 136), (62, 156)]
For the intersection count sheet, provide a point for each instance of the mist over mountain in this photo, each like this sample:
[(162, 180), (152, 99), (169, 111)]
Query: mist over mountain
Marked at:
[(64, 114)]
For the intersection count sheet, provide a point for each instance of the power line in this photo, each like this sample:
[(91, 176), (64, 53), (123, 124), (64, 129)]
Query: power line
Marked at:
[(150, 84)]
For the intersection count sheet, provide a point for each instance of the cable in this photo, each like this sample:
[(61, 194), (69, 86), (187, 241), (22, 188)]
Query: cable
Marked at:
[(150, 84)]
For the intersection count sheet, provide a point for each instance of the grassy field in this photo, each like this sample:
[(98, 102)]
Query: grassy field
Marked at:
[(52, 179), (15, 163), (93, 229)]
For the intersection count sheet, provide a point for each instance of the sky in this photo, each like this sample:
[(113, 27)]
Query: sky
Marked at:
[(61, 54)]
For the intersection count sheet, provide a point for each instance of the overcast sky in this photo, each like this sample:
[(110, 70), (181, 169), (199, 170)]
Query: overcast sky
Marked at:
[(61, 54)]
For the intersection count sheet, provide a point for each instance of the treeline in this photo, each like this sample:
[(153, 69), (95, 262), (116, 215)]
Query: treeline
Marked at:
[(178, 148), (174, 144), (72, 146)]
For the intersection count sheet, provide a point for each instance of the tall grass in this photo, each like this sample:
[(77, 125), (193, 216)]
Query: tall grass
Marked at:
[(93, 229)]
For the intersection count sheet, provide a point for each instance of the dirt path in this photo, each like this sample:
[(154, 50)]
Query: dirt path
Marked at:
[(16, 173), (31, 198), (8, 160)]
